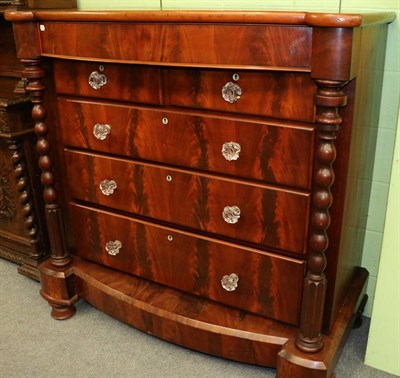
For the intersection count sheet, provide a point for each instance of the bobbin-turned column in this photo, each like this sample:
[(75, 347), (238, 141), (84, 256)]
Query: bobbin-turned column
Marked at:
[(35, 73), (55, 274), (329, 99), (23, 186)]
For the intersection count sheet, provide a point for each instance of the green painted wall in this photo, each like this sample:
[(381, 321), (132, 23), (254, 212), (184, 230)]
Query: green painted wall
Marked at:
[(383, 350), (386, 138), (383, 162), (118, 4)]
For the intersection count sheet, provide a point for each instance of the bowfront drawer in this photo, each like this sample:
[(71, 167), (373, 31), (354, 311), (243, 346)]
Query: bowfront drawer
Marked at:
[(259, 214), (272, 94), (249, 279), (243, 149), (110, 81), (206, 44)]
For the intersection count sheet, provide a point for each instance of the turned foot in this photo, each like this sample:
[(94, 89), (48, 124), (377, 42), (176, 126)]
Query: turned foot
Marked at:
[(61, 309), (58, 289), (62, 312)]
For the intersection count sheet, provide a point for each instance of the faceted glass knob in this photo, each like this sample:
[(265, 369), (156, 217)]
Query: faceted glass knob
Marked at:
[(230, 283), (231, 92), (100, 131), (113, 247), (231, 214), (107, 187), (97, 80), (231, 150)]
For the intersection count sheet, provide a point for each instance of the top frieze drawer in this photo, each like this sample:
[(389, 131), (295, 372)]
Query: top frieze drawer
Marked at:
[(234, 45), (132, 83)]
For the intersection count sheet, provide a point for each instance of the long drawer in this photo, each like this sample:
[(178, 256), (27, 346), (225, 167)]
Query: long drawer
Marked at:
[(255, 213), (272, 94), (170, 43), (258, 151), (249, 279), (111, 81)]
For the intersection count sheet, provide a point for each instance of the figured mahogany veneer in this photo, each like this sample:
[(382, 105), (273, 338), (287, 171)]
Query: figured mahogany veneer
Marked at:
[(192, 263), (267, 152), (186, 44), (192, 200), (153, 104), (278, 95), (137, 84)]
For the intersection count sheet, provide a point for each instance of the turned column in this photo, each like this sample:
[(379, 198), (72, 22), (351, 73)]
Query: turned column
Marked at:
[(25, 198), (329, 99), (59, 253)]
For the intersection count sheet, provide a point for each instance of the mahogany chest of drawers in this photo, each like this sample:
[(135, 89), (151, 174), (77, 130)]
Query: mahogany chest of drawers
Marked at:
[(209, 171)]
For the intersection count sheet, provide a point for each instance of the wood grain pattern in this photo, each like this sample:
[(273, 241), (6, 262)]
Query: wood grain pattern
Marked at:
[(193, 140), (251, 17), (26, 40), (35, 73), (132, 83), (193, 264), (330, 97), (276, 217), (184, 44), (205, 325), (336, 46), (180, 317), (278, 95)]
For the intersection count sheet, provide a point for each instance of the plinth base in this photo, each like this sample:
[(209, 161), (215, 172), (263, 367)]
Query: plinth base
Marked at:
[(197, 323)]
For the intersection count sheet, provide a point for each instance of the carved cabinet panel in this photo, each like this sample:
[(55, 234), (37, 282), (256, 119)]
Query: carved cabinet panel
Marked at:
[(23, 235)]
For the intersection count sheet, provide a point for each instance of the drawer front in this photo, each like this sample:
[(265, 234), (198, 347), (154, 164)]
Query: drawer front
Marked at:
[(268, 216), (270, 153), (235, 45), (267, 284), (110, 81), (272, 94)]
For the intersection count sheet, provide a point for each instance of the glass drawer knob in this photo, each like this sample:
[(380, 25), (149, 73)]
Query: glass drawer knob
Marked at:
[(97, 80), (113, 247), (100, 131), (231, 150), (231, 214), (230, 283), (107, 187), (231, 92)]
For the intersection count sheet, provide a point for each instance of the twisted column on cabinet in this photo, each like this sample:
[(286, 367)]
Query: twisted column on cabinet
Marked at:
[(329, 99), (25, 199), (35, 73)]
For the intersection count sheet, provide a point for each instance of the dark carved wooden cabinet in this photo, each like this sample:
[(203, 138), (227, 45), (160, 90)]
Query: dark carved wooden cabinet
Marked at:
[(205, 180), (22, 228)]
